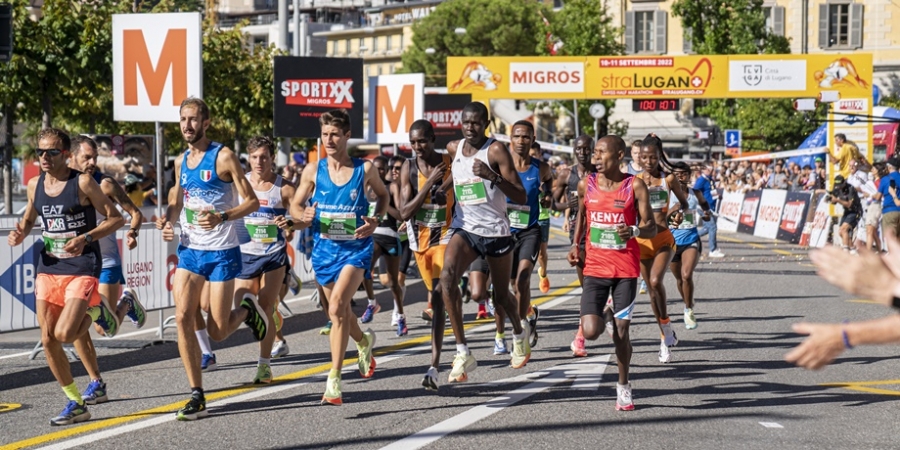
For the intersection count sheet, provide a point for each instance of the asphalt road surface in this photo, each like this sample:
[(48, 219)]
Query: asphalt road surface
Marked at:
[(726, 387)]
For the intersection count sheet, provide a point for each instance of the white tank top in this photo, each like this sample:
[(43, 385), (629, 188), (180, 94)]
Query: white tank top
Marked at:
[(205, 191), (257, 232), (480, 208)]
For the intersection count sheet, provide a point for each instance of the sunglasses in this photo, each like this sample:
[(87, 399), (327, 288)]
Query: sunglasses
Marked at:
[(397, 168), (50, 151)]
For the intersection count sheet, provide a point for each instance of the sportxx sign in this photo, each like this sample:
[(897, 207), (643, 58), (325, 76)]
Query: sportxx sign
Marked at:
[(395, 102), (157, 63)]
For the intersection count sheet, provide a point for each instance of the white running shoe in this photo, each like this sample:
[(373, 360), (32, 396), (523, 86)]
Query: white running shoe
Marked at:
[(665, 355), (716, 254), (280, 350), (430, 380), (669, 337), (690, 322), (623, 397), (395, 318)]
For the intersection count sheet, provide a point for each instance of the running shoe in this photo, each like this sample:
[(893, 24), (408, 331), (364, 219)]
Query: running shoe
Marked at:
[(293, 282), (490, 308), (366, 360), (544, 283), (500, 347), (95, 393), (256, 317), (643, 286), (577, 347), (430, 380), (194, 409), (665, 355), (521, 350), (208, 362), (532, 326), (482, 312), (427, 314), (395, 318), (462, 365), (107, 321), (263, 374), (280, 349), (73, 413), (716, 254), (669, 336), (135, 309), (623, 397), (332, 394), (370, 312), (402, 330), (690, 322), (326, 330)]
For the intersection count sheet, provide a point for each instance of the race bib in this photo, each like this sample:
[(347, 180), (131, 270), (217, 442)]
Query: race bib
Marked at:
[(337, 226), (519, 215), (371, 212), (470, 192), (606, 237), (193, 212), (261, 231), (690, 220), (54, 244), (659, 200), (431, 216)]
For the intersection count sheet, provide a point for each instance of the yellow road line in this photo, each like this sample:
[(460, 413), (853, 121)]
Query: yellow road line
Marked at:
[(862, 383), (859, 300), (213, 396), (7, 407)]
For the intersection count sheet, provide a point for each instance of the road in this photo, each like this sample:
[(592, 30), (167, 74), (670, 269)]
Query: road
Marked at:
[(728, 385)]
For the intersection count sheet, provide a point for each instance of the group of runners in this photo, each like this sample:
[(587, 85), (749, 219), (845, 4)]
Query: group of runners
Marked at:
[(479, 207)]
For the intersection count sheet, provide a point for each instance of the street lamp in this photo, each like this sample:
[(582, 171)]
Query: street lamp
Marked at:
[(430, 51), (460, 31)]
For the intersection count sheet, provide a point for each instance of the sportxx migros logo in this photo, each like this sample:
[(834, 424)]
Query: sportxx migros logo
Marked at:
[(445, 119), (335, 93)]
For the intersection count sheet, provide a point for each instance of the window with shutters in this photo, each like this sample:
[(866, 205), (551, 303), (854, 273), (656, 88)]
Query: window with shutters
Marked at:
[(387, 45), (840, 25), (774, 19), (375, 46), (645, 32)]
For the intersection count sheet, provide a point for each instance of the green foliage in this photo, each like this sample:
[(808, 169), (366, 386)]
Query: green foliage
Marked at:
[(738, 27), (891, 101), (494, 28)]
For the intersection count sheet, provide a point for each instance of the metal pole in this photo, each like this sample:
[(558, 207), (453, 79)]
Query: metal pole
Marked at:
[(596, 129), (160, 171), (7, 161), (285, 144), (575, 113), (297, 49), (304, 35)]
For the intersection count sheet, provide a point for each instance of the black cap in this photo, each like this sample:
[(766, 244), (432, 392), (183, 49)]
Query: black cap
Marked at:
[(894, 161), (838, 179)]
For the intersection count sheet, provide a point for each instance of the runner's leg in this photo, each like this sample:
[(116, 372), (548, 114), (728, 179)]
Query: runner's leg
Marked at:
[(457, 258), (187, 290)]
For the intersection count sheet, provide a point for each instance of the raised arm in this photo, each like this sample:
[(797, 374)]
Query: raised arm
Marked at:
[(409, 206), (113, 190), (646, 222), (302, 213), (502, 173)]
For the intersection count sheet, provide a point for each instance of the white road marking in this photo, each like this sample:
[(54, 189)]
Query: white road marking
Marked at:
[(771, 425)]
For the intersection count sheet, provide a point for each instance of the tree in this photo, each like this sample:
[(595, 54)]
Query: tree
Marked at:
[(738, 27), (585, 28), (493, 28)]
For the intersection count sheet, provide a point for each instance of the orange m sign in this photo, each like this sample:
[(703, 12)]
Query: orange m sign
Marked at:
[(395, 102), (172, 60), (389, 112)]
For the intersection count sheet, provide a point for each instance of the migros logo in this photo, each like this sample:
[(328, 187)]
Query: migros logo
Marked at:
[(327, 93)]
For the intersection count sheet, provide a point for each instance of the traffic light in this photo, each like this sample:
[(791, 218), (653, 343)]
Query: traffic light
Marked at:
[(6, 32)]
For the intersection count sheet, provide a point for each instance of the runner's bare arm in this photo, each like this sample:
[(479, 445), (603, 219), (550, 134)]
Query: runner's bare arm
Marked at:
[(24, 226), (395, 194), (114, 191), (560, 203), (232, 165), (452, 147), (103, 205), (677, 190), (374, 182), (502, 172), (409, 206), (703, 204), (304, 192), (646, 222), (176, 198), (574, 255), (287, 194), (546, 185)]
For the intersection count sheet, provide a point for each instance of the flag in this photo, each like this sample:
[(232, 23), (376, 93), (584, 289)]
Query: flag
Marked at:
[(553, 43)]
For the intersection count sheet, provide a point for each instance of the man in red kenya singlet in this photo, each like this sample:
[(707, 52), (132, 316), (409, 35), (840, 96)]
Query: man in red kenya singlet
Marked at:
[(613, 209)]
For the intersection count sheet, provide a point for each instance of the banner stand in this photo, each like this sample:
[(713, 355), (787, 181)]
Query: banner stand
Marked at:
[(39, 348), (164, 324)]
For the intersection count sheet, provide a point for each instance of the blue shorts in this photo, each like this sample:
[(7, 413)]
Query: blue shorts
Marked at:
[(328, 269), (213, 265), (112, 275), (253, 266)]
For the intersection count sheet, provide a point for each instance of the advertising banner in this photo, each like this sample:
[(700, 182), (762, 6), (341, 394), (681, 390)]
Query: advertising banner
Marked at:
[(665, 77), (306, 87), (444, 111), (793, 216), (730, 211), (768, 216), (531, 77), (747, 220), (818, 235), (395, 102)]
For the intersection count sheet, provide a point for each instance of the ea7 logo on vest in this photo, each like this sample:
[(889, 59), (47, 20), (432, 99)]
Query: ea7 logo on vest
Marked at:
[(206, 175)]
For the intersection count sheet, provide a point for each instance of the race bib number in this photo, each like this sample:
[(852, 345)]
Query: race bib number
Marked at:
[(337, 226), (192, 214), (659, 200), (261, 231), (519, 215), (690, 220), (606, 237), (431, 216), (54, 244), (470, 192)]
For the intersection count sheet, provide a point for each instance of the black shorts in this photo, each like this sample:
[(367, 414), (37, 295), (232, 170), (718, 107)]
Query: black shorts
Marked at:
[(405, 256), (545, 230), (486, 247), (480, 265), (850, 218), (596, 292), (254, 266), (679, 249), (526, 245), (389, 245)]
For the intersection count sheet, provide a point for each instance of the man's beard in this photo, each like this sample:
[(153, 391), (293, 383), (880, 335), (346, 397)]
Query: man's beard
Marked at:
[(198, 134)]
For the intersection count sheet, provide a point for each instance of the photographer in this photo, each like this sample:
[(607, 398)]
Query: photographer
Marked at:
[(845, 195)]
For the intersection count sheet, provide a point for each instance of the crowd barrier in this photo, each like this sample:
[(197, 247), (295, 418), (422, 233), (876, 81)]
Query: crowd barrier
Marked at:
[(796, 217), (149, 269)]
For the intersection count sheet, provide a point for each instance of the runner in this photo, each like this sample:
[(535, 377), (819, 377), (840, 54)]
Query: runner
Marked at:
[(634, 167), (657, 252), (263, 251), (428, 210), (396, 164), (66, 295), (544, 221), (523, 217), (342, 234), (205, 201), (687, 241), (609, 207), (84, 159), (483, 177), (387, 245)]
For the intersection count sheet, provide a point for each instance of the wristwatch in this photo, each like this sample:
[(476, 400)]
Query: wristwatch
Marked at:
[(88, 239), (224, 216)]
